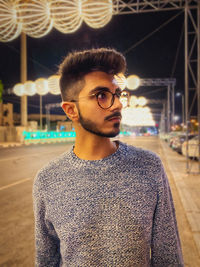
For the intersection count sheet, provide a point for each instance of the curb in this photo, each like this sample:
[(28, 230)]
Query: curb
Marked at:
[(8, 145)]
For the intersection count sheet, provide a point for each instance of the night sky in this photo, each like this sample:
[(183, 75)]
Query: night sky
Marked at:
[(159, 56)]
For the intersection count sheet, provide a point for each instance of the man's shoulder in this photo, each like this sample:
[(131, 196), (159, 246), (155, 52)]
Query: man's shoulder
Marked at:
[(140, 154), (144, 162), (52, 169)]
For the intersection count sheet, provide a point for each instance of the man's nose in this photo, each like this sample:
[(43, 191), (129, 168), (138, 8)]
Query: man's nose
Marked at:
[(117, 103)]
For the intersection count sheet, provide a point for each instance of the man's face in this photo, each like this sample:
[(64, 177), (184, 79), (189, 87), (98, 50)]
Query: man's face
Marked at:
[(94, 119)]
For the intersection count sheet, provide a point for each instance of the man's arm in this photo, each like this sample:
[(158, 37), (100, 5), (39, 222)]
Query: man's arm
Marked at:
[(46, 241), (166, 247)]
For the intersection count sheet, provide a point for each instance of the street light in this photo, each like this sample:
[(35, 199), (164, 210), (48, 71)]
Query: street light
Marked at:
[(42, 89)]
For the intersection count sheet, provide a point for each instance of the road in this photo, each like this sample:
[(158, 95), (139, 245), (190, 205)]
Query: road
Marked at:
[(18, 167)]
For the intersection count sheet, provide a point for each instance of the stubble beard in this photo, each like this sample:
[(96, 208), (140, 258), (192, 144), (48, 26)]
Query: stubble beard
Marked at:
[(91, 127)]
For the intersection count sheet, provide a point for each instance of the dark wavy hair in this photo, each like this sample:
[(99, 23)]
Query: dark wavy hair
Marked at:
[(77, 64)]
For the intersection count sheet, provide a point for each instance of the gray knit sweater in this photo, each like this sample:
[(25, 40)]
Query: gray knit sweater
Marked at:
[(117, 211)]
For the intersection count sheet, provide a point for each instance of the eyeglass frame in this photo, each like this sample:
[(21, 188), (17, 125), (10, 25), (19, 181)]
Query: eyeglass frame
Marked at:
[(117, 93)]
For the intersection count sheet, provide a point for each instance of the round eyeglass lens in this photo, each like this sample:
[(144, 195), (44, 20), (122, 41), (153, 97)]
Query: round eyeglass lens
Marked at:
[(105, 99)]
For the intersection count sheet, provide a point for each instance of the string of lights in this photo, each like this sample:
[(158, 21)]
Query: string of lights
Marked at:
[(36, 18)]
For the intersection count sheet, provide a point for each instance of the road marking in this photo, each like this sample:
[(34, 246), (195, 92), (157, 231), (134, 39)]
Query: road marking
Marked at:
[(13, 184), (31, 155)]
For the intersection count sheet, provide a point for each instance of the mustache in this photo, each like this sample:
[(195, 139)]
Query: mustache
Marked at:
[(116, 114)]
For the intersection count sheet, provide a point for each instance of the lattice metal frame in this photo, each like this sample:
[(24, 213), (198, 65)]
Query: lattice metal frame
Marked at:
[(192, 47), (192, 69), (169, 83), (142, 6)]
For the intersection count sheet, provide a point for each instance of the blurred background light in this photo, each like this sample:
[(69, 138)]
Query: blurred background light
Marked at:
[(42, 86), (121, 80), (29, 88), (133, 82), (133, 101), (19, 89), (137, 117), (142, 101), (53, 84)]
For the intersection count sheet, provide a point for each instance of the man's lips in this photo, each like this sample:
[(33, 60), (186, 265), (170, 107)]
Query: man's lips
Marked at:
[(116, 116)]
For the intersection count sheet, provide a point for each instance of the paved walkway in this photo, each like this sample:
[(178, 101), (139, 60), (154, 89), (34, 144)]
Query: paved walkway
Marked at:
[(10, 144), (188, 187)]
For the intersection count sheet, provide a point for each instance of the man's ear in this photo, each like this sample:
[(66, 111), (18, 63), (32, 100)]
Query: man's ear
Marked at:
[(70, 110)]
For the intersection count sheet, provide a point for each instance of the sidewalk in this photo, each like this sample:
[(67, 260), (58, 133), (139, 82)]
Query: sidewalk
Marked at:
[(188, 187), (10, 144), (39, 141)]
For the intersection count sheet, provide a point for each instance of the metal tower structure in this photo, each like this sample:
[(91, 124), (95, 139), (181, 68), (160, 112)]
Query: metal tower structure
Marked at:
[(170, 108), (192, 46)]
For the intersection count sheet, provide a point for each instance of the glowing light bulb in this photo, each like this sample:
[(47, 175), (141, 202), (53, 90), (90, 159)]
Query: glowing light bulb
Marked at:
[(42, 86), (66, 15), (133, 81), (35, 17), (120, 80), (142, 101), (53, 83), (19, 89), (10, 27), (97, 13), (29, 88)]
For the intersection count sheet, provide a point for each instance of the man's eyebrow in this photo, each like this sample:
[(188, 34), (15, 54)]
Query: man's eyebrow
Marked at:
[(102, 88), (99, 88)]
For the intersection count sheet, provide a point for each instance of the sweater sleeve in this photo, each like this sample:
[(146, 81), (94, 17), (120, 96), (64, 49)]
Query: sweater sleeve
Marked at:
[(47, 245), (166, 247)]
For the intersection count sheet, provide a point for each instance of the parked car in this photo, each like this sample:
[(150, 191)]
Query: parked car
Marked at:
[(177, 142), (173, 136), (193, 147)]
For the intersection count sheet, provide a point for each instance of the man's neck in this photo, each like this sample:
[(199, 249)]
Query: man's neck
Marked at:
[(94, 147)]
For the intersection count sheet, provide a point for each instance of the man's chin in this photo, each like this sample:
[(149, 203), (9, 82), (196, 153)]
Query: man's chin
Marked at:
[(91, 127), (106, 134), (112, 134)]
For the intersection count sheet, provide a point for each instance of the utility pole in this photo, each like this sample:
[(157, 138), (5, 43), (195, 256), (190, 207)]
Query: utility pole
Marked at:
[(23, 78)]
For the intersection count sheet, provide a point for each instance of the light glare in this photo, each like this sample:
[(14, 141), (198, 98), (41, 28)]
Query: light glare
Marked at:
[(53, 83), (120, 80), (19, 89), (133, 82), (42, 86), (29, 88), (137, 117)]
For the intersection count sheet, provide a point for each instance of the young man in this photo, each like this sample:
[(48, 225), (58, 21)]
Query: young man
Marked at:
[(103, 203)]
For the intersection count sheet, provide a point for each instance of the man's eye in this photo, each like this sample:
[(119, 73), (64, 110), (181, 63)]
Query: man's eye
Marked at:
[(102, 95)]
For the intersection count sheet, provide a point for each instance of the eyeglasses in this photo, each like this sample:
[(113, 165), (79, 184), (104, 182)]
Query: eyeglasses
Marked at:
[(105, 98)]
